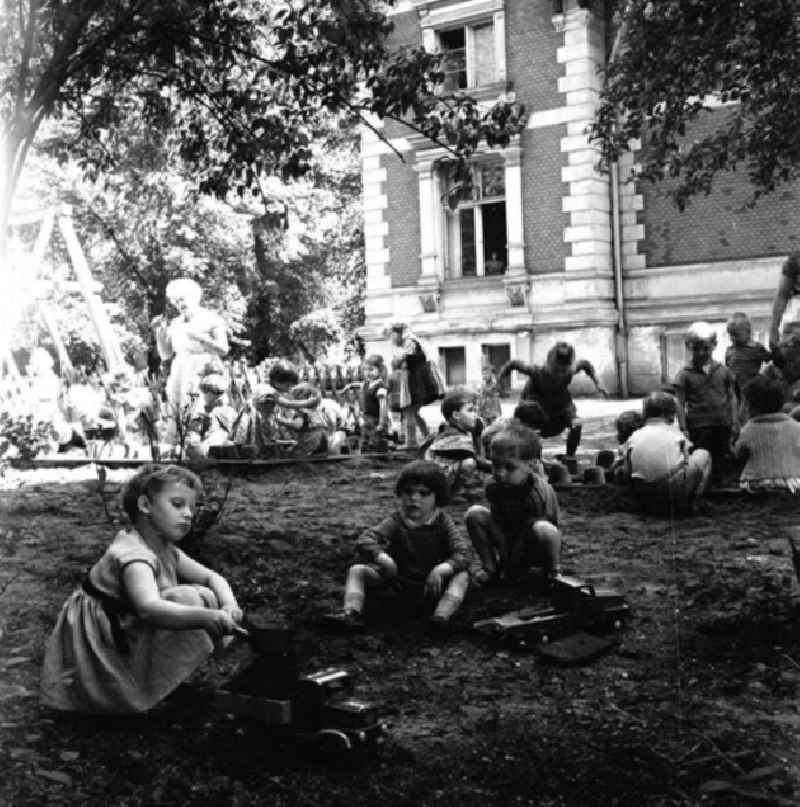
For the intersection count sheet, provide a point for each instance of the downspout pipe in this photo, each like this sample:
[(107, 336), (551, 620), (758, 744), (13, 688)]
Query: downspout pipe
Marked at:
[(621, 337)]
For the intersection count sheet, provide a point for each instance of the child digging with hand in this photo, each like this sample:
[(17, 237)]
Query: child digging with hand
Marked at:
[(519, 529), (147, 615), (416, 552)]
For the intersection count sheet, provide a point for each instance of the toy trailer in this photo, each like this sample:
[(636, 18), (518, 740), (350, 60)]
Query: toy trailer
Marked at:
[(526, 627)]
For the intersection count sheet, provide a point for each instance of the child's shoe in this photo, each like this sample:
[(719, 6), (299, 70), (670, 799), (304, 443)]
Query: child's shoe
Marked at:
[(347, 622)]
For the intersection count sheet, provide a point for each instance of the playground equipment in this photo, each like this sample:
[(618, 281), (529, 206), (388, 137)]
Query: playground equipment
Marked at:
[(23, 278)]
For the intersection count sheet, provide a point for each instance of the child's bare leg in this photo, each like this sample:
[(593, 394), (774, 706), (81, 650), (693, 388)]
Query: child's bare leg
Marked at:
[(452, 598), (482, 532), (547, 545), (574, 437), (359, 576)]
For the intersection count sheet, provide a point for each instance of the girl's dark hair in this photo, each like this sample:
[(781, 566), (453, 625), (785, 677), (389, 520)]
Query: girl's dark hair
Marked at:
[(429, 474), (561, 353), (627, 423), (375, 360), (660, 405), (531, 414), (283, 373), (517, 440), (764, 394), (150, 479), (453, 401)]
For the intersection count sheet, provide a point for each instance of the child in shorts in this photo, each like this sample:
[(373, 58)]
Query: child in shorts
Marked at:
[(519, 529), (416, 552)]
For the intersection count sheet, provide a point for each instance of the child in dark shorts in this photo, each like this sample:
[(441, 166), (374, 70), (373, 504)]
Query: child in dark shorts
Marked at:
[(549, 385), (416, 553), (519, 529), (707, 407)]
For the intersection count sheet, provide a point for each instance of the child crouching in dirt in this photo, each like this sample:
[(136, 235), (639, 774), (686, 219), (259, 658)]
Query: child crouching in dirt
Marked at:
[(519, 529), (147, 615), (416, 553)]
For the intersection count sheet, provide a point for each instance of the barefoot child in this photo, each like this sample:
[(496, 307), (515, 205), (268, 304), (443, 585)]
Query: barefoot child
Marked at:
[(146, 614), (417, 551), (520, 527)]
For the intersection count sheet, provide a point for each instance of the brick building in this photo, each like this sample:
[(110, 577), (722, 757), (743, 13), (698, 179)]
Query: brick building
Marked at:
[(548, 248)]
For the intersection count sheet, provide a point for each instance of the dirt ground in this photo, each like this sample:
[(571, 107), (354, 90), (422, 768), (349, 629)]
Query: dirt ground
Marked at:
[(698, 704)]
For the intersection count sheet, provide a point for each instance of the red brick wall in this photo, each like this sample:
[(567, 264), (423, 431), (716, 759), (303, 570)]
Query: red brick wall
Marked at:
[(542, 192), (719, 226), (531, 43), (402, 240)]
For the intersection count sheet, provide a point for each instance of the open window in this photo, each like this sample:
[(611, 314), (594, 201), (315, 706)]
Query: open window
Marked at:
[(476, 240), (468, 56)]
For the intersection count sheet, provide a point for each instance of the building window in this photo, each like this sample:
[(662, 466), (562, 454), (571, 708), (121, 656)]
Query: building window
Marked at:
[(476, 242), (468, 56)]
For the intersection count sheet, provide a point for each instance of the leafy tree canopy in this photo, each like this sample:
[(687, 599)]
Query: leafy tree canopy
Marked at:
[(671, 57), (242, 83)]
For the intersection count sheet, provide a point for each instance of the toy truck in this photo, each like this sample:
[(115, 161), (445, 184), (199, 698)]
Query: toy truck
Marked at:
[(526, 627), (317, 709), (590, 606)]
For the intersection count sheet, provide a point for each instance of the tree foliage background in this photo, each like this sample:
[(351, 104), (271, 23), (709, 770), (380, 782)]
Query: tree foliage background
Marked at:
[(159, 114), (731, 65)]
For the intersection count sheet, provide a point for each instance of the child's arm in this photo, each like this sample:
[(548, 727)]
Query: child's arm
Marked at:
[(191, 571), (680, 394), (370, 545), (588, 368), (519, 366), (733, 402), (299, 403), (146, 601)]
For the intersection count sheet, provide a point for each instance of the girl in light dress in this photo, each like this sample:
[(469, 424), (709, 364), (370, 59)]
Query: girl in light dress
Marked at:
[(147, 615)]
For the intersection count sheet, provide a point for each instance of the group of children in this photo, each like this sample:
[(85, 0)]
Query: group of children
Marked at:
[(722, 419), (147, 615)]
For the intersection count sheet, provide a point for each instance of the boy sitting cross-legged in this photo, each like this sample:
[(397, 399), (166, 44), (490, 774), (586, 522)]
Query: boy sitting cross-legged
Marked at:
[(416, 553), (519, 529), (664, 477)]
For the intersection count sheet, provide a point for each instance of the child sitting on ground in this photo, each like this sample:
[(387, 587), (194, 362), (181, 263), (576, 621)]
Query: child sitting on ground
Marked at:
[(707, 406), (416, 552), (306, 426), (769, 444), (146, 614), (744, 357), (664, 477), (626, 424), (519, 529), (549, 385), (455, 448)]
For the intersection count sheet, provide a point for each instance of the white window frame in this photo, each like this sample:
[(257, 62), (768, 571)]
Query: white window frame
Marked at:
[(452, 245), (467, 14)]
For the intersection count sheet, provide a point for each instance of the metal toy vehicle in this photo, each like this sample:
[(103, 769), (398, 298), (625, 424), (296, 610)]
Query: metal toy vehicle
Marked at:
[(590, 606), (316, 709), (526, 627), (577, 606)]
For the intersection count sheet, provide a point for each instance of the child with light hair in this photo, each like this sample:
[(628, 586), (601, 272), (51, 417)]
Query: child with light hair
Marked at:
[(744, 356), (708, 410), (519, 529)]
